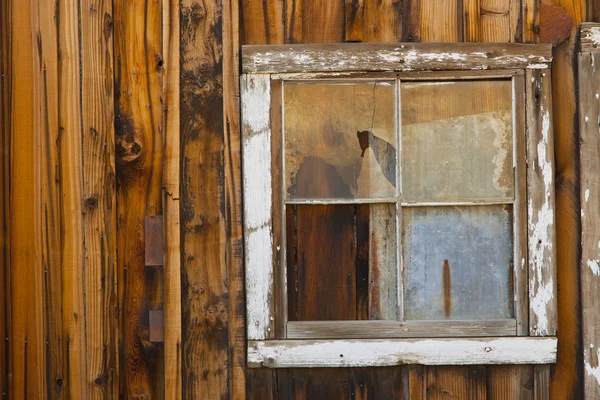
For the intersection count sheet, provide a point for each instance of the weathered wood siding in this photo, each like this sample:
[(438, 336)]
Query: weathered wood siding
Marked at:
[(112, 111)]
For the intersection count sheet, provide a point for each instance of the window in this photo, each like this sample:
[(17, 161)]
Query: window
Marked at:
[(398, 204)]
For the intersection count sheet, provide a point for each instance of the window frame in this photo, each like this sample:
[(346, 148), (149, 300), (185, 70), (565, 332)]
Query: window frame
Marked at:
[(275, 342)]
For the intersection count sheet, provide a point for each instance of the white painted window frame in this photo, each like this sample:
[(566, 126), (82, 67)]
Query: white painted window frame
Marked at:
[(261, 65)]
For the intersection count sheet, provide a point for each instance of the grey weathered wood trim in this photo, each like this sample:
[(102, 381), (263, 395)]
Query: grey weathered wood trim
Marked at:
[(257, 186), (540, 204), (379, 352), (590, 36), (393, 57), (589, 115), (399, 329)]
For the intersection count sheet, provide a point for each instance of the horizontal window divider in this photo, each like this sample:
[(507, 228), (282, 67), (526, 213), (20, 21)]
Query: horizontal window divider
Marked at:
[(457, 203), (391, 352), (389, 200), (400, 329)]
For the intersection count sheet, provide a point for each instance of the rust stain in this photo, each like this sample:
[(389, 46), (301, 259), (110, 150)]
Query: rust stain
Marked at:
[(447, 289), (555, 24)]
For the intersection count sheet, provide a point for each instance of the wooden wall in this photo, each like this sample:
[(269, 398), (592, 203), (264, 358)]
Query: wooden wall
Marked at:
[(114, 110)]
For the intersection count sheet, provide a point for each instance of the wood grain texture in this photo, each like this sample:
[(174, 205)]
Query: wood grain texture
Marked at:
[(393, 352), (441, 21), (589, 112), (98, 117), (530, 16), (507, 382), (397, 329), (262, 22), (488, 20), (392, 57), (456, 382), (205, 294), (314, 21), (5, 120), (567, 376), (589, 36), (139, 158), (171, 200), (373, 21), (233, 199), (541, 382), (27, 349), (541, 205)]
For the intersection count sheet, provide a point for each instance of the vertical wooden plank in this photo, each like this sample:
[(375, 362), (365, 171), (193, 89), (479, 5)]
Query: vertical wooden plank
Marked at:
[(139, 155), (411, 20), (171, 203), (441, 21), (101, 307), (383, 265), (417, 388), (530, 15), (589, 113), (205, 247), (27, 349), (540, 203), (52, 194), (487, 20), (568, 373), (5, 77), (314, 21), (460, 382), (507, 382), (258, 230), (233, 198), (70, 175), (263, 22), (363, 253), (373, 20), (541, 382)]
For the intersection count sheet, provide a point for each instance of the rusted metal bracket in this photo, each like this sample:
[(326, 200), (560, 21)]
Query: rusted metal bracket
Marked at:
[(555, 24), (154, 249)]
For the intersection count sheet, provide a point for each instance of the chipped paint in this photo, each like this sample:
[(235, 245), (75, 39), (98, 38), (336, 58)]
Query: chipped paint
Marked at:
[(258, 236), (374, 352), (594, 265), (587, 195), (592, 371), (593, 35), (541, 223)]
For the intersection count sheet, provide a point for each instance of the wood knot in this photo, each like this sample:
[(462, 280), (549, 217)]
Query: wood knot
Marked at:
[(91, 202)]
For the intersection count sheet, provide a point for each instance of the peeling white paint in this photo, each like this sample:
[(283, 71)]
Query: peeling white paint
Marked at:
[(541, 223), (373, 352), (594, 265), (587, 195), (538, 66), (592, 371), (593, 35)]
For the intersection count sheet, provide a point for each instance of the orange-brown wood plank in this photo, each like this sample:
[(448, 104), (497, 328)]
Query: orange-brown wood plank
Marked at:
[(459, 382), (488, 20), (205, 294), (5, 75), (373, 21), (27, 341), (101, 307), (507, 382), (233, 199), (262, 22), (65, 139), (566, 380), (171, 201), (441, 21), (314, 21), (139, 155)]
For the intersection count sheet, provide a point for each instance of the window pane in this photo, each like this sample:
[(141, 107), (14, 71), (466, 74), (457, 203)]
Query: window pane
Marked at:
[(458, 262), (457, 141), (341, 262), (340, 140)]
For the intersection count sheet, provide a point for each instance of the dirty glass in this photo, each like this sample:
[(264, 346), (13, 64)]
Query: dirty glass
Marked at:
[(457, 140), (457, 262), (340, 140)]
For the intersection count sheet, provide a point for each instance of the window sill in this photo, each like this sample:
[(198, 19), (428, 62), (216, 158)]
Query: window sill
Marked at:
[(381, 352)]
